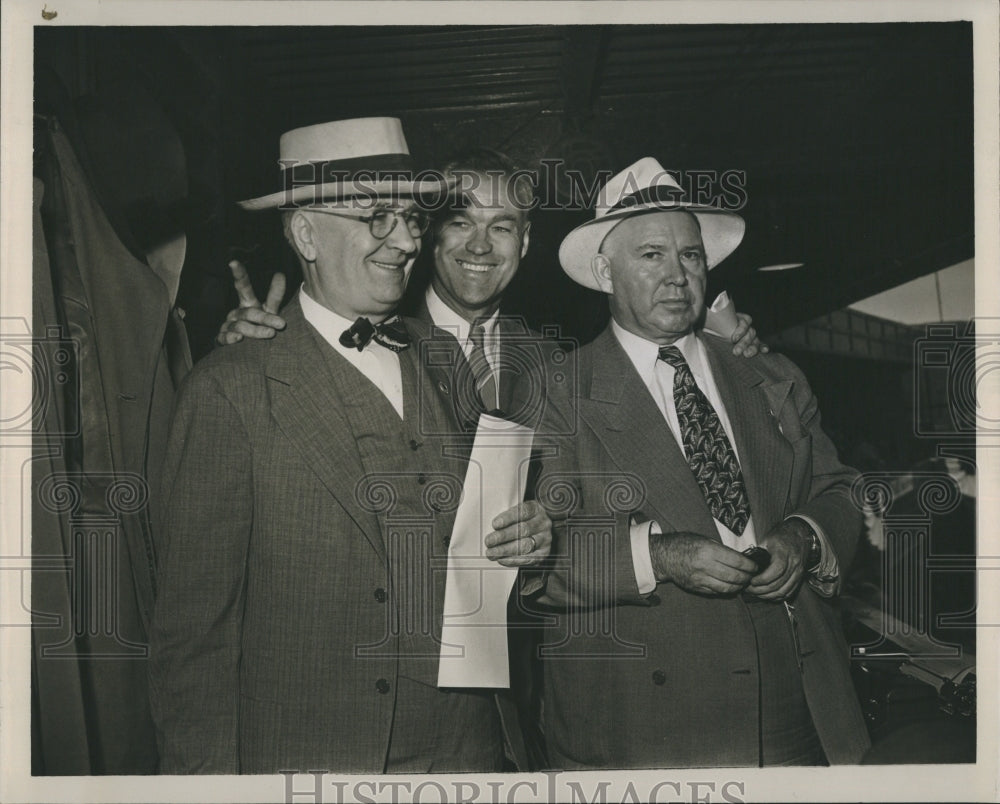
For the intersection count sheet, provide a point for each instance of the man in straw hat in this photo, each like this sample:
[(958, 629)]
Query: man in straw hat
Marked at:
[(297, 622), (714, 653)]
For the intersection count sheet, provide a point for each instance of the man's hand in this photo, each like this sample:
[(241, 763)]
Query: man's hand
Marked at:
[(699, 564), (523, 535), (744, 337), (252, 319), (788, 544)]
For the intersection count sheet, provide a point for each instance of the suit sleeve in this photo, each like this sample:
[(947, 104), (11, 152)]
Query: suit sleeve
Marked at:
[(591, 565), (827, 501), (206, 520)]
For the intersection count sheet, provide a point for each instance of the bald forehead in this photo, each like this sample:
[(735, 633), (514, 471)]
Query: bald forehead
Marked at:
[(677, 228)]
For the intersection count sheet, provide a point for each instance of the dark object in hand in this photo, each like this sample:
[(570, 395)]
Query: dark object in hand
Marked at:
[(759, 556)]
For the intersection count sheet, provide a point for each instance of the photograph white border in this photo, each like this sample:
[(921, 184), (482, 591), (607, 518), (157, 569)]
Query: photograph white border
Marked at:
[(876, 783)]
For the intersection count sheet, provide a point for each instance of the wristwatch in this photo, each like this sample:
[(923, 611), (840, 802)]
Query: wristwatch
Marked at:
[(815, 555)]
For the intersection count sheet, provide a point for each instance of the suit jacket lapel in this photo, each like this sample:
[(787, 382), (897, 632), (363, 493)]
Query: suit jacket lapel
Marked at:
[(449, 365), (513, 362), (753, 404), (443, 363), (635, 435), (308, 404)]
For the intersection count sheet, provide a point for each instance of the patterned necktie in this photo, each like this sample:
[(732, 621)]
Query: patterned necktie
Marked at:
[(391, 333), (709, 453), (486, 380)]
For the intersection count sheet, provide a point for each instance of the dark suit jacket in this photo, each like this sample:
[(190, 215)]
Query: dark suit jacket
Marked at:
[(670, 680), (274, 567), (107, 399), (524, 370), (528, 373)]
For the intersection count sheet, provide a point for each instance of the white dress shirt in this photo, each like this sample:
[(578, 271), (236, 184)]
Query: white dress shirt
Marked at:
[(378, 364), (447, 319), (658, 377)]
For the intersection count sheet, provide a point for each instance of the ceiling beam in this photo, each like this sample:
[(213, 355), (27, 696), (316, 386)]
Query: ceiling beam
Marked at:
[(580, 69)]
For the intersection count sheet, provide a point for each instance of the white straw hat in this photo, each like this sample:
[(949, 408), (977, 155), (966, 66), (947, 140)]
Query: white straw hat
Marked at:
[(640, 187), (361, 157)]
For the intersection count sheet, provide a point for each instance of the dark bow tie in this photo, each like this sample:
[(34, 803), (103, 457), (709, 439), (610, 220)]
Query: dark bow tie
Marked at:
[(391, 334)]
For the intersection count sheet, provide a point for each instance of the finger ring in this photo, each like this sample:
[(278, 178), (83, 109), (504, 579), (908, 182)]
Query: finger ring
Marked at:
[(534, 546)]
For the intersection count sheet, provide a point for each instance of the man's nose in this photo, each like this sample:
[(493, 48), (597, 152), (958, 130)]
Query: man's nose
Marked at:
[(401, 239), (673, 271), (479, 241)]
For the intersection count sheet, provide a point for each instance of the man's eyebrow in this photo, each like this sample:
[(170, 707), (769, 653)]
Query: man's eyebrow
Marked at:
[(462, 211), (661, 244)]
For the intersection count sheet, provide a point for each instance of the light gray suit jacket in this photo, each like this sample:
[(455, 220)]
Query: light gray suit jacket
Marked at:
[(670, 680)]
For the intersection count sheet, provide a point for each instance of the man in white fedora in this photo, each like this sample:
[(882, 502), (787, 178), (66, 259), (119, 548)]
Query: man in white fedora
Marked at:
[(702, 509), (306, 504)]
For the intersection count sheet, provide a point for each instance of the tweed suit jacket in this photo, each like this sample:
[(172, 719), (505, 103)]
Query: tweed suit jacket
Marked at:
[(274, 573), (670, 680)]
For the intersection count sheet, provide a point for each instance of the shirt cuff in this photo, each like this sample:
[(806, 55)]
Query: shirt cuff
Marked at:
[(826, 579), (642, 561)]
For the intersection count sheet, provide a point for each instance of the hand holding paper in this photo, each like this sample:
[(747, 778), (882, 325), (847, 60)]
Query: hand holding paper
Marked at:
[(474, 627), (523, 535)]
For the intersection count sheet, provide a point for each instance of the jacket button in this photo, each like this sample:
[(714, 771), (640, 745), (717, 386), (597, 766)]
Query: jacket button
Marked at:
[(443, 388), (659, 677), (380, 595), (421, 478), (654, 599), (382, 686), (414, 444)]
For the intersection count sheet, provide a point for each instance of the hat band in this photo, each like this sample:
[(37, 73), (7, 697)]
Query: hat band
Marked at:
[(650, 195), (379, 167)]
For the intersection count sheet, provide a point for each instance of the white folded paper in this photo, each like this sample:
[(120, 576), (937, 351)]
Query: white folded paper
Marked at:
[(720, 318), (474, 631)]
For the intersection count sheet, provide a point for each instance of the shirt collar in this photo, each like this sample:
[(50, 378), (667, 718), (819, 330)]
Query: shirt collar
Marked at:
[(447, 319), (644, 353)]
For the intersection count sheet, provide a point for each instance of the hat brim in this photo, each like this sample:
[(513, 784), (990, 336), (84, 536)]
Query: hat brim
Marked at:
[(421, 191), (721, 232)]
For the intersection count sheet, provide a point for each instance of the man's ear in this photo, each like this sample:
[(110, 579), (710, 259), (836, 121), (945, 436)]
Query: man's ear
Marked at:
[(524, 239), (601, 266), (301, 229)]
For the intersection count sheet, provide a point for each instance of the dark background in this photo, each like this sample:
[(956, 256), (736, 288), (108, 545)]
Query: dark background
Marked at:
[(855, 141)]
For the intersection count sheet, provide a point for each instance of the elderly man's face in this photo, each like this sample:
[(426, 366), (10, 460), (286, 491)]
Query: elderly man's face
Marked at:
[(658, 274), (477, 249), (353, 273)]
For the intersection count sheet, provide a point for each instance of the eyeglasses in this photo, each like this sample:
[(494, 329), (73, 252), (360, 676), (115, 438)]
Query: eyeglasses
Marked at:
[(382, 221)]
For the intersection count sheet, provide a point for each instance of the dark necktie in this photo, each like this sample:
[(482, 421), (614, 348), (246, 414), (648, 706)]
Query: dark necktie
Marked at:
[(486, 381), (709, 453), (391, 333)]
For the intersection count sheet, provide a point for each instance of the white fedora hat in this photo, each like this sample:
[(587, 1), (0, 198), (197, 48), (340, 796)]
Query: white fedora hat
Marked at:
[(641, 187), (361, 157)]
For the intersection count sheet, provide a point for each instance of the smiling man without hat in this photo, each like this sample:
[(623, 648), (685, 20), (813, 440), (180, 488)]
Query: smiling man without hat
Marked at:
[(697, 456), (297, 624)]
